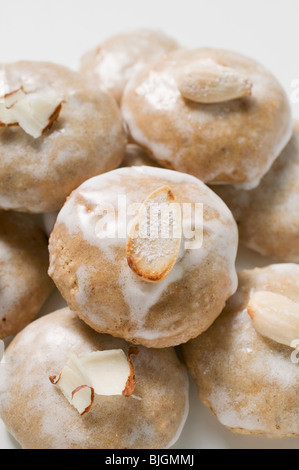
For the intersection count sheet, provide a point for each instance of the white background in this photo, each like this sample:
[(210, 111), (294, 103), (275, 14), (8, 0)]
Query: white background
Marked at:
[(62, 30)]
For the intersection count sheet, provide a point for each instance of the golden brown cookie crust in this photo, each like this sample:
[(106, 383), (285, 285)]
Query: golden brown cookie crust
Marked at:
[(37, 414), (248, 381), (234, 141), (24, 282), (36, 175)]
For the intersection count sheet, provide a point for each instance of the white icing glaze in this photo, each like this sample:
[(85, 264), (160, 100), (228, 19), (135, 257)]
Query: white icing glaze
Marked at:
[(141, 296), (280, 373), (55, 163), (58, 422), (120, 57), (12, 287), (155, 92), (185, 414), (270, 209), (160, 90), (253, 360)]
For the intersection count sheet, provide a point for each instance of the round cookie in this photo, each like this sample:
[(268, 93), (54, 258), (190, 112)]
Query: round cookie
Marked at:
[(87, 138), (221, 141), (89, 265), (118, 58), (136, 156), (267, 216), (39, 416), (248, 381), (24, 282)]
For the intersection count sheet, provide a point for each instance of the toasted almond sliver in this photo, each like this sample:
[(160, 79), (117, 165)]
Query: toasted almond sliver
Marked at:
[(13, 97), (6, 119), (209, 82), (274, 316), (33, 112), (6, 102), (36, 113), (154, 239), (82, 398), (131, 381), (107, 372)]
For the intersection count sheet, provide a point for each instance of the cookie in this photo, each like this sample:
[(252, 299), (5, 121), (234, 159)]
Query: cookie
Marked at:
[(24, 282), (159, 293), (39, 416), (267, 216), (215, 114), (85, 139), (118, 58), (244, 370)]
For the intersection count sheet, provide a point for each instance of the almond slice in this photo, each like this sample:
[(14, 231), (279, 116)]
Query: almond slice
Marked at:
[(154, 239), (11, 98), (131, 381), (6, 118), (82, 398), (209, 82), (106, 372), (36, 112), (6, 102), (33, 112), (274, 316), (69, 381)]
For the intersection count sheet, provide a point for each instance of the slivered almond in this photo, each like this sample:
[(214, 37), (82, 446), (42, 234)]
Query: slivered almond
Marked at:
[(274, 316), (36, 112), (6, 102), (154, 239), (14, 96), (107, 372), (33, 112), (209, 82)]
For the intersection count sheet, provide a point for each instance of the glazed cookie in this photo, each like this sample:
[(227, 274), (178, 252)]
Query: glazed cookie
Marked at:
[(267, 216), (57, 131), (40, 416), (153, 291), (24, 282), (215, 114), (244, 368), (119, 57), (136, 156)]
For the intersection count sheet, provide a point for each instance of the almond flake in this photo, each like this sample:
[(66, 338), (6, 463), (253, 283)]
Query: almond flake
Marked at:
[(154, 239), (274, 316), (107, 372), (33, 112)]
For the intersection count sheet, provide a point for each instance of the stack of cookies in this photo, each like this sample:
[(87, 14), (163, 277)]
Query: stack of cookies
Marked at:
[(155, 162)]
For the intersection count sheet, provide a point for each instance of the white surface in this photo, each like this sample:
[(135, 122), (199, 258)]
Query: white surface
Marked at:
[(62, 30)]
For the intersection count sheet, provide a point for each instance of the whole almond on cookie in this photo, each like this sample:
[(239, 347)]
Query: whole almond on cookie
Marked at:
[(274, 316), (206, 81)]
